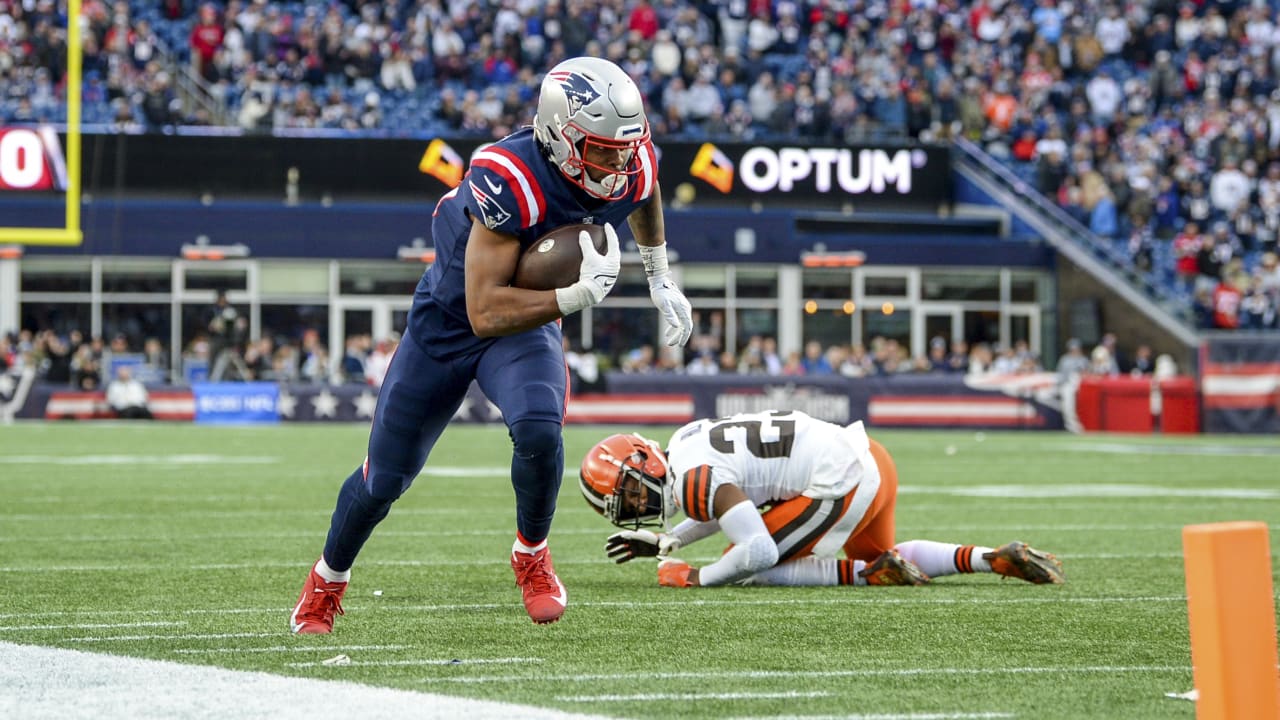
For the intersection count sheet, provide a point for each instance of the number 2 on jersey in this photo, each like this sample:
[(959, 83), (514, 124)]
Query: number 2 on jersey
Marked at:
[(756, 431)]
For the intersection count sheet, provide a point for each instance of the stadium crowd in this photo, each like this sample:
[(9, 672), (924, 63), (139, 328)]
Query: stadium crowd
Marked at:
[(85, 363), (1155, 123)]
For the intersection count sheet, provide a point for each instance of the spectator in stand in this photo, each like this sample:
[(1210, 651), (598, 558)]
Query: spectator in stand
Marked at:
[(815, 360), (769, 354), (794, 365), (375, 366), (703, 363), (1144, 361), (206, 39), (1073, 362), (127, 397), (1227, 297), (354, 355), (1102, 363)]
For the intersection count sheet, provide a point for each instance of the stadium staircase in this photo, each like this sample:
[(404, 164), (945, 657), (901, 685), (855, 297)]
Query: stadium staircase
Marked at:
[(1100, 258)]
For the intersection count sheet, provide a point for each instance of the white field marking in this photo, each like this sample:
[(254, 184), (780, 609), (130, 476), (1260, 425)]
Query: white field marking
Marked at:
[(799, 599), (426, 661), (649, 697), (310, 535), (797, 674), (53, 684), (267, 565), (180, 498), (138, 460), (195, 636), (222, 514), (91, 626), (1153, 449), (1105, 491), (286, 649), (891, 716)]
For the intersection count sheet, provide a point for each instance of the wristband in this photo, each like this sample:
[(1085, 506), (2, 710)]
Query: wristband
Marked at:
[(654, 259)]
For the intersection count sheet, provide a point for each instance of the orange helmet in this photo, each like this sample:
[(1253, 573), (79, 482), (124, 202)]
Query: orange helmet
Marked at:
[(624, 477)]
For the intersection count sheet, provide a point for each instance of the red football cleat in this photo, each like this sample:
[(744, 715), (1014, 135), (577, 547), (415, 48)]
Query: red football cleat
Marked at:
[(544, 594), (320, 599)]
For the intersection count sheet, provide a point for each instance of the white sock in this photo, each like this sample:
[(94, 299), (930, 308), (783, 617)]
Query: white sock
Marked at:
[(937, 559), (858, 567), (331, 575), (527, 549)]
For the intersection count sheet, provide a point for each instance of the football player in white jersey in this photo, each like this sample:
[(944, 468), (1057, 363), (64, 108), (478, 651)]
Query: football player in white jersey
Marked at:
[(790, 492)]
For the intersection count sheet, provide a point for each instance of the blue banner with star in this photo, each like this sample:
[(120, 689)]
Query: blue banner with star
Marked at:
[(237, 403)]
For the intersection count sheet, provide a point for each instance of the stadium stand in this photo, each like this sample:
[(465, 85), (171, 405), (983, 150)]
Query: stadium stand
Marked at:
[(1155, 126)]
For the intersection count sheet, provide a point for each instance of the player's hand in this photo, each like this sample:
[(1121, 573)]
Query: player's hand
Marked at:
[(629, 544), (596, 276), (674, 573), (674, 307)]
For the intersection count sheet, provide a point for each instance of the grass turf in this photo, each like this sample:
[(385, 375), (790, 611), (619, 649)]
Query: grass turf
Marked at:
[(190, 543)]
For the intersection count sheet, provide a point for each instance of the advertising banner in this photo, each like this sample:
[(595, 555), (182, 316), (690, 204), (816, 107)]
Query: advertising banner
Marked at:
[(1240, 382), (884, 176), (236, 402), (31, 159)]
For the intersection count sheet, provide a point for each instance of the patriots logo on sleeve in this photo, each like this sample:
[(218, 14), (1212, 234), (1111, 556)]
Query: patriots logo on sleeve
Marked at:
[(491, 213), (576, 88)]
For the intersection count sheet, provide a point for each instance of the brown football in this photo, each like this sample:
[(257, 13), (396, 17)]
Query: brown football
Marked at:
[(555, 259)]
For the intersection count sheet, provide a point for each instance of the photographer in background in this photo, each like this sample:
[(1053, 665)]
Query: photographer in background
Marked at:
[(227, 333)]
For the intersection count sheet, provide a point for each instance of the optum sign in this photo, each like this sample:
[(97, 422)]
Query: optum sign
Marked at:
[(766, 169)]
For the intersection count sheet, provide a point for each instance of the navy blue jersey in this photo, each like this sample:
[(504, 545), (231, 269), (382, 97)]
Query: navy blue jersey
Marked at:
[(514, 189)]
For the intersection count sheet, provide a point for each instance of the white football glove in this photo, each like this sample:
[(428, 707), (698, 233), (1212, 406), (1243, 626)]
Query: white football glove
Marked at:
[(628, 544), (596, 276), (666, 296), (674, 307)]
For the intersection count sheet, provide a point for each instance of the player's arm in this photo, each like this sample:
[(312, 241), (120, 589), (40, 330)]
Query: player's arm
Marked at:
[(494, 307), (650, 230), (753, 547)]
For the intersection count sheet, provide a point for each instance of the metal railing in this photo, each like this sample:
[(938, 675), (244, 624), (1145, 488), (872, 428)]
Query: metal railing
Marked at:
[(192, 90), (1094, 254)]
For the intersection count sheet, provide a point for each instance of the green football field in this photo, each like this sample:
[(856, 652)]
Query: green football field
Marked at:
[(189, 544)]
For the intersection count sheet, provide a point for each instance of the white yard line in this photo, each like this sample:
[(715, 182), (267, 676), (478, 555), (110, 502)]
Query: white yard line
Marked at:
[(424, 661), (90, 626), (650, 697), (862, 597), (194, 636), (52, 684), (812, 674), (904, 530), (432, 563), (286, 649), (891, 716)]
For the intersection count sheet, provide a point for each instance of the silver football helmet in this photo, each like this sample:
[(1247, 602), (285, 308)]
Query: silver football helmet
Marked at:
[(591, 118)]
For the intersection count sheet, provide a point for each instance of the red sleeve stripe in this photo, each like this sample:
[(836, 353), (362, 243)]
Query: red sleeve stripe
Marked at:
[(533, 207), (648, 165)]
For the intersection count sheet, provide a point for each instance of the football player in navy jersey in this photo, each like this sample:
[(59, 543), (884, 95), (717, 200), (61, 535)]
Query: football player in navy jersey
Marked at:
[(587, 158)]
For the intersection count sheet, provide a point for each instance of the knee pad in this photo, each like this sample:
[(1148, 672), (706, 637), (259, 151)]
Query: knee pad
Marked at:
[(762, 553), (533, 438)]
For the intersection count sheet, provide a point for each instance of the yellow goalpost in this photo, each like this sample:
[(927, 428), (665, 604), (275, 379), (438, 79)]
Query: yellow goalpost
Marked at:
[(70, 233)]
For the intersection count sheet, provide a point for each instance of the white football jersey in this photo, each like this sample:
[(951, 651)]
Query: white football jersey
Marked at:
[(770, 456)]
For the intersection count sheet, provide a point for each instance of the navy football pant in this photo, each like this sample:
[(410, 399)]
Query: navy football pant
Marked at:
[(524, 375)]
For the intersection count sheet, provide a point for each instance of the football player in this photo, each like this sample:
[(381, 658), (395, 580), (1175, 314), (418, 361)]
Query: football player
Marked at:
[(790, 492), (588, 158)]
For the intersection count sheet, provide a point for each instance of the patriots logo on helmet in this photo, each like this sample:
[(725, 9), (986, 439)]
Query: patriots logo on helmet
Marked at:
[(577, 89), (491, 213)]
